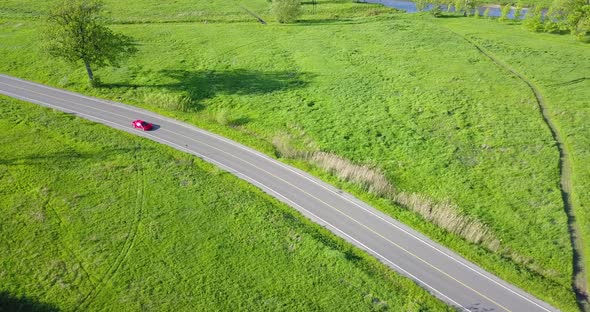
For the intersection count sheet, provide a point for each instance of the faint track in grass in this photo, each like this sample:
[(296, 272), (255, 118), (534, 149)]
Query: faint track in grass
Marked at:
[(443, 273), (125, 250), (68, 250), (579, 281)]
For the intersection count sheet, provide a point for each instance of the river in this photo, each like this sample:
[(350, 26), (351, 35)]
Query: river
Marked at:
[(410, 7)]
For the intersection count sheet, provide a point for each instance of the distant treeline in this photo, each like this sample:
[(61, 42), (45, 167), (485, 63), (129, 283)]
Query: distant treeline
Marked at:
[(552, 16)]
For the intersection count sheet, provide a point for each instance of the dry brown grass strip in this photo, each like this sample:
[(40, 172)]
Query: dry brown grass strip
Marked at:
[(370, 179), (448, 216), (442, 213)]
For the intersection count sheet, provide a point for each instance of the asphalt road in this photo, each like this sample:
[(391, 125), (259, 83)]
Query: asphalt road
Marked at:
[(442, 272)]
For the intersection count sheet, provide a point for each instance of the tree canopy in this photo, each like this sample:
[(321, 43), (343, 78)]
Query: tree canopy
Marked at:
[(566, 15), (576, 15), (77, 32)]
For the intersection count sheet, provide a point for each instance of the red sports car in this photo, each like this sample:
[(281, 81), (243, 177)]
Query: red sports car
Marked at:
[(142, 125)]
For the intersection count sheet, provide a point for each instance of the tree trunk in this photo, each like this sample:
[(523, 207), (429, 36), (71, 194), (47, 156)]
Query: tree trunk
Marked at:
[(89, 71)]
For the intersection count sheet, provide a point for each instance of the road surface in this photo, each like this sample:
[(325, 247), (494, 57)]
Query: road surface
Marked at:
[(437, 269)]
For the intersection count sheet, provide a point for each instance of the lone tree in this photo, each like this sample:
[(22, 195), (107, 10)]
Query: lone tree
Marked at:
[(78, 32)]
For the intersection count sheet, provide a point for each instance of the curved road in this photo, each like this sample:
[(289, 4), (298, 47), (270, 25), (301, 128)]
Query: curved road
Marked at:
[(437, 269)]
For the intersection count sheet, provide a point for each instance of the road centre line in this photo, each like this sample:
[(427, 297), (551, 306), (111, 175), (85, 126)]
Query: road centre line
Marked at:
[(349, 217), (245, 177), (133, 109), (302, 191), (256, 153)]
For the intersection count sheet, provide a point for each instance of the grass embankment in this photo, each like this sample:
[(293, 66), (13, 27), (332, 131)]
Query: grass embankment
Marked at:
[(391, 91), (95, 219), (561, 70)]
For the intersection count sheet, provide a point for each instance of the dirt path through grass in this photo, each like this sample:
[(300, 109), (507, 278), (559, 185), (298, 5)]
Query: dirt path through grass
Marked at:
[(84, 304), (579, 281)]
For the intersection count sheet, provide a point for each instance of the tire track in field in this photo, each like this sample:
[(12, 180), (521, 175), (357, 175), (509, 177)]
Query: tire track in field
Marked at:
[(579, 281), (127, 246), (44, 206)]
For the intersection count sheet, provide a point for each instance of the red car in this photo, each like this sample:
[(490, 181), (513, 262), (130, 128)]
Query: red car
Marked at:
[(142, 125)]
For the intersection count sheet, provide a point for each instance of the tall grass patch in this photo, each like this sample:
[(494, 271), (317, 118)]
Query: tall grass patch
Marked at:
[(444, 213)]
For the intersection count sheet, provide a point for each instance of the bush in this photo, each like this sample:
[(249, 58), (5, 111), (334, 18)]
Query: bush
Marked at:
[(517, 13), (421, 5), (436, 11), (578, 21), (552, 27), (458, 5), (450, 6), (504, 13), (470, 7), (286, 11), (533, 20)]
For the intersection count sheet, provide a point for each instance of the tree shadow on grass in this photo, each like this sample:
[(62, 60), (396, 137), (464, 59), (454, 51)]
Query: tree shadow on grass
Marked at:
[(64, 157), (370, 17), (320, 2), (13, 304), (205, 84), (446, 16), (326, 21), (236, 122)]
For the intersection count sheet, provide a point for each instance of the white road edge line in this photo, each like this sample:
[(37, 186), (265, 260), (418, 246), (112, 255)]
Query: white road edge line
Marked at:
[(259, 154), (245, 177), (273, 175)]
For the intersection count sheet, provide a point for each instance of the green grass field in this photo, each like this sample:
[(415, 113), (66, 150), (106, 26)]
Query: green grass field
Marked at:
[(96, 219), (560, 70), (397, 92)]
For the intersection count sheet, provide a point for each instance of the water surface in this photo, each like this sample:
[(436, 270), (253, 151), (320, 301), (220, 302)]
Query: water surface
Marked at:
[(410, 7)]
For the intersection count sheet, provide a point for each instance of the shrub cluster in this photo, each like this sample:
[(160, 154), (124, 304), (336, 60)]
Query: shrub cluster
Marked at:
[(563, 16), (286, 11)]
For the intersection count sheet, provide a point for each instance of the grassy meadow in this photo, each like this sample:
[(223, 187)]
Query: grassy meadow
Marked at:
[(95, 219), (561, 71), (398, 93)]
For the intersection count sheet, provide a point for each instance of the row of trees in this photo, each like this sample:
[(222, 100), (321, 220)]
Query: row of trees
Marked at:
[(561, 16), (465, 6), (78, 32)]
